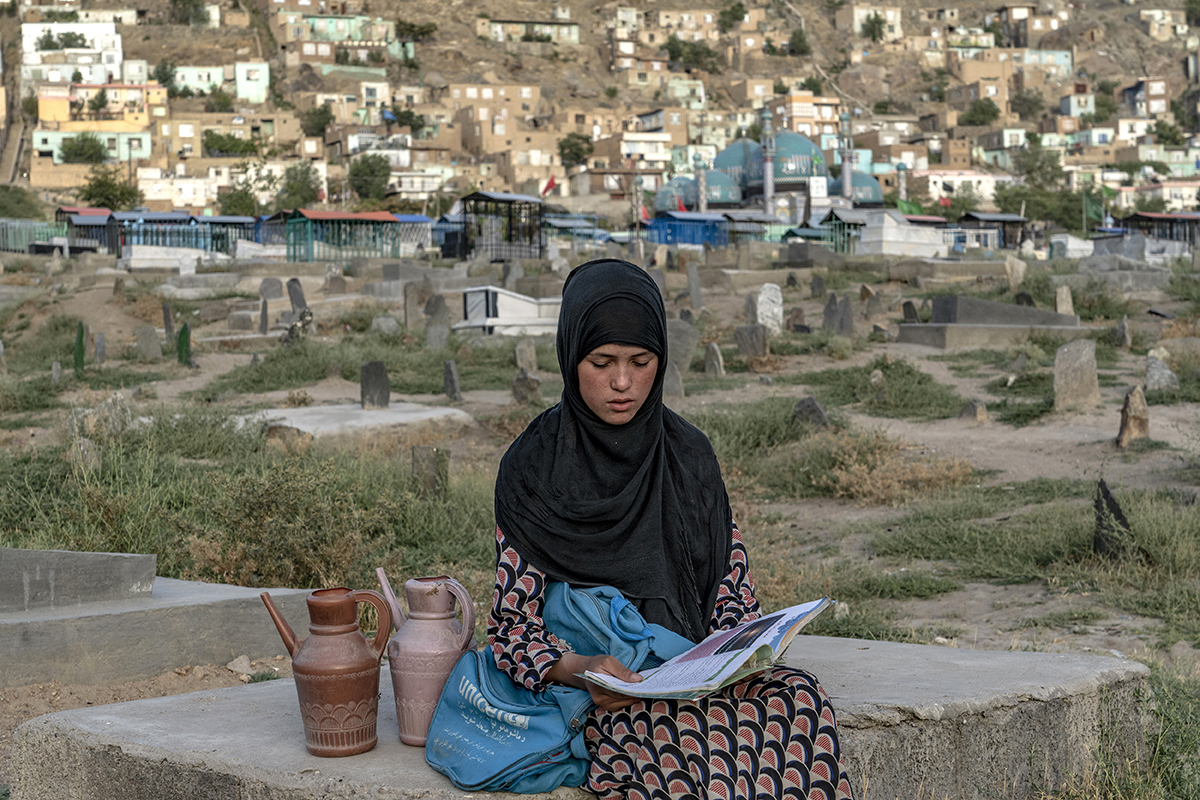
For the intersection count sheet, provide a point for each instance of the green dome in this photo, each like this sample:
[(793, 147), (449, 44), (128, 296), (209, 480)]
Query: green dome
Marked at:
[(796, 159), (733, 160), (721, 189), (866, 189), (667, 198)]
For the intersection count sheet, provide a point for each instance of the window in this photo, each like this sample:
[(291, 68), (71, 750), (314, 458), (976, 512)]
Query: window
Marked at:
[(499, 129), (526, 92), (135, 144), (323, 49), (472, 93), (187, 131), (112, 143), (487, 93), (454, 93), (580, 119)]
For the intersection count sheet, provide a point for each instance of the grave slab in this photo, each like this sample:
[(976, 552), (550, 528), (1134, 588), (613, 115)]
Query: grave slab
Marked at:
[(349, 418), (914, 720), (953, 336), (50, 579)]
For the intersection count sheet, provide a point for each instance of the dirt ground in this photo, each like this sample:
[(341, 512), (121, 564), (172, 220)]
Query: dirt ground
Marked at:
[(989, 617)]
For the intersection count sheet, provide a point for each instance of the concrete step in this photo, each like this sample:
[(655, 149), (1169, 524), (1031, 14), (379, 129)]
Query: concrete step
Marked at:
[(916, 722)]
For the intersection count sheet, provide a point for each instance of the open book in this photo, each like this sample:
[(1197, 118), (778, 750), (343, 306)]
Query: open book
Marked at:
[(722, 659)]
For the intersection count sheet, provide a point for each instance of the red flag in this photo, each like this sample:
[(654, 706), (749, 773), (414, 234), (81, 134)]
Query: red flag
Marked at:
[(645, 214), (550, 184), (944, 201), (679, 200)]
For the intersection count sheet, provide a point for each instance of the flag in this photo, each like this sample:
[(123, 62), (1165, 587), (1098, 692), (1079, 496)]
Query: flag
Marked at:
[(550, 184), (944, 201), (947, 188), (909, 207), (1109, 194), (645, 214), (388, 115), (679, 202), (1093, 208)]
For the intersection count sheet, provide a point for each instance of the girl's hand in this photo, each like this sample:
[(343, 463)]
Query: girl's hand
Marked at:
[(569, 669)]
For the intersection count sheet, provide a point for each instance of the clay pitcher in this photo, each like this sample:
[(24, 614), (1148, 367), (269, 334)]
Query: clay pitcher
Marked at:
[(425, 648), (336, 670)]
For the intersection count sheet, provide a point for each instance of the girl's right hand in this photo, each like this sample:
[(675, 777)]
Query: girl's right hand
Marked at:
[(571, 667)]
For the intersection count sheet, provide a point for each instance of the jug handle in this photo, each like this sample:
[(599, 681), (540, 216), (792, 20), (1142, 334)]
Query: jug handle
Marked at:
[(468, 609), (398, 617), (385, 618)]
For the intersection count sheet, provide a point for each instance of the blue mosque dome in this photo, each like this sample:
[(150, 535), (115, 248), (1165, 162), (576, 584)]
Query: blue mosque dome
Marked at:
[(866, 188), (735, 158), (797, 159)]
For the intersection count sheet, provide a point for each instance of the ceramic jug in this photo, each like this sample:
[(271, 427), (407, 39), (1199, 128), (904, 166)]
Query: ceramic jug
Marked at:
[(425, 648), (336, 670)]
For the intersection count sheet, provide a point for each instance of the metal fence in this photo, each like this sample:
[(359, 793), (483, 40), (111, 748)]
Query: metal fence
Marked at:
[(16, 235), (166, 234), (341, 240), (961, 239)]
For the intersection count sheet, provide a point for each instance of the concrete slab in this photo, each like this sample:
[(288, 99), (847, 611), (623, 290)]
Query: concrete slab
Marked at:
[(33, 579), (953, 336), (350, 418), (916, 721), (974, 311), (181, 622)]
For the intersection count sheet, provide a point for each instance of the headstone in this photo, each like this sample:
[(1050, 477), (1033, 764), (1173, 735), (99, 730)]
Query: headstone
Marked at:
[(660, 256), (335, 285), (914, 281), (264, 321), (829, 321), (374, 385), (148, 346), (431, 469), (865, 293), (686, 315), (513, 272), (436, 310), (1159, 377), (358, 267), (1025, 299), (560, 266), (1122, 335), (168, 322), (255, 360), (1135, 418), (527, 388), (817, 287), (385, 325), (1076, 386), (794, 319), (910, 313), (660, 280), (119, 288), (296, 294), (792, 281), (55, 373), (682, 341), (183, 347), (437, 336), (693, 273), (99, 357), (242, 320), (751, 340), (974, 410), (714, 362), (450, 382), (809, 412), (770, 307), (670, 265), (874, 306), (525, 353), (612, 249), (1018, 363), (1112, 528), (876, 379), (391, 271), (1014, 270), (673, 383), (881, 332), (751, 312), (1063, 304), (270, 289), (845, 322), (413, 313)]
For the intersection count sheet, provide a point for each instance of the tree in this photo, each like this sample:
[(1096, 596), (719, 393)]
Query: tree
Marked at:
[(1166, 133), (46, 41), (218, 101), (1191, 8), (225, 145), (1036, 165), (71, 40), (1151, 204), (164, 73), (415, 32), (242, 199), (314, 121), (874, 27), (813, 84), (981, 112), (574, 149), (76, 77), (780, 87), (106, 188), (881, 107), (963, 200), (692, 55), (188, 12), (1105, 107), (239, 202), (406, 117), (369, 176), (301, 186), (1027, 103), (84, 148), (798, 43), (98, 103), (997, 32), (731, 17)]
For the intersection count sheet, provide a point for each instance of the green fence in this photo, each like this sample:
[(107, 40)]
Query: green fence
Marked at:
[(16, 235), (339, 241)]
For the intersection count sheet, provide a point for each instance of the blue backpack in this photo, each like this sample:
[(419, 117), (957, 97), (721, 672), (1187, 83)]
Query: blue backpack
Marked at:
[(489, 734)]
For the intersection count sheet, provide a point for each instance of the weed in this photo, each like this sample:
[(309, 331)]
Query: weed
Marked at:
[(1060, 619), (54, 342), (508, 424), (841, 280), (23, 396), (1029, 384), (1188, 392), (1020, 414), (259, 677), (907, 392)]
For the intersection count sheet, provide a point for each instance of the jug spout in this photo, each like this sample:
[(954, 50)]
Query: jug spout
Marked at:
[(398, 617), (285, 630)]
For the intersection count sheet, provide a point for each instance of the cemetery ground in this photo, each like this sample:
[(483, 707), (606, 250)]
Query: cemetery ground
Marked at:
[(927, 527)]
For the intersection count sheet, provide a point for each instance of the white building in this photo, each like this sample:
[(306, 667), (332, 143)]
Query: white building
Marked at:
[(97, 58)]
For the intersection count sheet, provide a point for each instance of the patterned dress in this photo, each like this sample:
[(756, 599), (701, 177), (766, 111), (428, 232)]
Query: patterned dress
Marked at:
[(772, 736)]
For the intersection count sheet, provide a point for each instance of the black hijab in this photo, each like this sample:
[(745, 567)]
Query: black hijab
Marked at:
[(639, 506)]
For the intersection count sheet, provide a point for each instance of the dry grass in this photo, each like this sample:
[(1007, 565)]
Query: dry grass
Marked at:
[(873, 469), (147, 308), (298, 398), (1180, 329)]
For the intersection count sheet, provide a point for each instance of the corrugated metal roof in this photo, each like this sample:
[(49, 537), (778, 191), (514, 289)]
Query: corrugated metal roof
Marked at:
[(150, 216), (361, 216), (505, 197), (694, 216), (89, 220), (227, 220), (85, 211), (985, 217)]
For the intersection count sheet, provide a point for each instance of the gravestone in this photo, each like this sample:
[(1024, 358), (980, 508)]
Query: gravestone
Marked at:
[(1112, 532), (55, 373), (385, 325), (660, 280), (792, 281), (670, 265), (168, 322), (874, 306), (437, 323), (264, 321), (880, 332), (358, 267), (527, 388), (560, 266), (270, 289), (242, 320), (751, 340), (391, 271), (1076, 386), (914, 282), (414, 316), (660, 256), (765, 380), (335, 285), (1018, 364), (1025, 299), (148, 346), (865, 293), (450, 382), (119, 288), (296, 294), (693, 273), (1159, 377), (183, 347), (974, 410), (513, 272), (845, 321), (374, 386), (431, 469), (1122, 335), (682, 341), (809, 412), (910, 313), (99, 357), (1014, 270), (714, 362), (255, 360), (770, 307), (751, 309), (794, 320), (1063, 303), (612, 249), (829, 320), (817, 287), (437, 336), (686, 315), (1135, 418), (673, 383), (964, 309), (525, 354)]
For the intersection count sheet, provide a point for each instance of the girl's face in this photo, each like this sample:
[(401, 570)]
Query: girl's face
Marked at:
[(616, 379)]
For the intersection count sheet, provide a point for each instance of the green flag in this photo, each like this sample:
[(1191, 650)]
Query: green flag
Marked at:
[(1094, 209), (1109, 193), (909, 207)]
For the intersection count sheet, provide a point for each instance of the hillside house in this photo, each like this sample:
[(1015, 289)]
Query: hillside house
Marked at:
[(853, 16)]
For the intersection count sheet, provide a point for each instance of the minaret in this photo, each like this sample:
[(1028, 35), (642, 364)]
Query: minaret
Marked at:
[(768, 151), (701, 171), (847, 159)]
